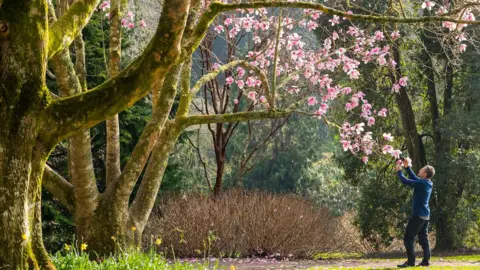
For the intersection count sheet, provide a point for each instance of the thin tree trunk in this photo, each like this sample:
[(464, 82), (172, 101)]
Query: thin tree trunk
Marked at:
[(412, 138), (113, 126)]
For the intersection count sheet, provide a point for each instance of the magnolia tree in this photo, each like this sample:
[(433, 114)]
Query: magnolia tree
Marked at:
[(34, 120)]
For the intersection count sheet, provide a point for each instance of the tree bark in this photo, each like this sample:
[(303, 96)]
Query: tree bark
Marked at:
[(113, 125), (412, 138)]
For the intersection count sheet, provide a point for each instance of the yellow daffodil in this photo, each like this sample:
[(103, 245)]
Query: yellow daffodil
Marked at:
[(158, 242), (134, 228), (232, 267), (67, 247), (24, 237), (83, 247)]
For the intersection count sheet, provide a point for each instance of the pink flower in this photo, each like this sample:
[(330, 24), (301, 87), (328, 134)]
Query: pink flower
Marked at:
[(396, 88), (396, 153), (240, 84), (124, 22), (312, 101), (142, 23), (387, 137), (240, 72), (235, 101), (323, 109), (371, 121), (354, 74), (395, 35), (335, 20), (251, 81), (229, 80), (346, 145), (379, 35), (348, 106), (228, 21), (104, 5), (365, 159), (131, 25), (263, 99), (216, 66), (252, 95), (387, 149), (130, 15), (346, 90), (393, 64), (219, 29), (462, 47), (403, 81), (428, 5), (383, 112)]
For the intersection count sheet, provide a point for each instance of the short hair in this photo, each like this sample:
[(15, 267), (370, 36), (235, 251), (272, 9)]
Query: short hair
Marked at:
[(430, 171)]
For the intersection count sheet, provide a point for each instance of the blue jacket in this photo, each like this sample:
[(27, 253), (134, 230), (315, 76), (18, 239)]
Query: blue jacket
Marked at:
[(422, 190)]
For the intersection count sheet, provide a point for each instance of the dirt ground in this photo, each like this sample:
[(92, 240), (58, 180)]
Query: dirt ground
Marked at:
[(325, 264)]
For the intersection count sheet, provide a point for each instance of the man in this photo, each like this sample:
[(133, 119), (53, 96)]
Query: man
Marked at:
[(418, 223)]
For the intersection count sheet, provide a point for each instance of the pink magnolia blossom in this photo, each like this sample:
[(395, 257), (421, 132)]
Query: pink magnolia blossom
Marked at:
[(379, 35), (396, 153), (219, 29), (346, 145), (216, 66), (395, 35), (403, 81), (142, 23), (462, 47), (387, 137), (365, 159), (348, 106), (371, 121), (263, 99), (240, 72), (130, 15), (124, 22), (104, 5), (383, 112), (235, 101), (131, 25), (387, 149), (240, 84), (428, 5), (335, 20), (396, 88), (228, 21), (229, 80), (312, 101), (252, 95)]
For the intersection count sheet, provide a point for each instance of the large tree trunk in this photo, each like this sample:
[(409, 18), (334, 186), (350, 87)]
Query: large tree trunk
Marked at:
[(23, 146)]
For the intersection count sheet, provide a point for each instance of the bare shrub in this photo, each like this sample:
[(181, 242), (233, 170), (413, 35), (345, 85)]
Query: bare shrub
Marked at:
[(248, 223)]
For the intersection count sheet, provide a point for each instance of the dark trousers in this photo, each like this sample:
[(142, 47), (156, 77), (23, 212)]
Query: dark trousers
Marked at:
[(416, 226)]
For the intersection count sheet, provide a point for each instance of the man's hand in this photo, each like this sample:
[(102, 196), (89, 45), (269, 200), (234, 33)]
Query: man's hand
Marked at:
[(398, 168), (406, 163)]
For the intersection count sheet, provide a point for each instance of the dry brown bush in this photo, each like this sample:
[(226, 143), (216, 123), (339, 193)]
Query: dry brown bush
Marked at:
[(248, 223)]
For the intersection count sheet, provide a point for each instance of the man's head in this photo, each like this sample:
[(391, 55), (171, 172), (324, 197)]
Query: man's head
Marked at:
[(426, 172)]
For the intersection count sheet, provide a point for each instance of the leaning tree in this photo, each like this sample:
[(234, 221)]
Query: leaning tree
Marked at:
[(33, 120)]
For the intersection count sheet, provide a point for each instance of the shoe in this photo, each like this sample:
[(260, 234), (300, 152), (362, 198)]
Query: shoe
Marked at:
[(424, 263), (405, 265)]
